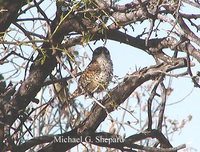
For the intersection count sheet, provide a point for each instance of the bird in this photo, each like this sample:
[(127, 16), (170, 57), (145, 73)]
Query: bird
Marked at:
[(97, 75)]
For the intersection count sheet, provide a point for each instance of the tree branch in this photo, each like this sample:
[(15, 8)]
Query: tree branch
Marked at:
[(117, 96)]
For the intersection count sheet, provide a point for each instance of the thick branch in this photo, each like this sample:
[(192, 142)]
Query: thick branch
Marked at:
[(111, 141), (118, 95), (8, 13)]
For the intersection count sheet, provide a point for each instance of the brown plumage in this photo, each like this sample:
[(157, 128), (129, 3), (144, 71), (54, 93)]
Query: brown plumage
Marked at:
[(97, 74)]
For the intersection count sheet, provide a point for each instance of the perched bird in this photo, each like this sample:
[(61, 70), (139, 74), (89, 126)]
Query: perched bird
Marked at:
[(97, 75)]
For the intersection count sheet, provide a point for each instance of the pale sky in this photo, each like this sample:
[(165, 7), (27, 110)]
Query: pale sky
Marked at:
[(126, 59)]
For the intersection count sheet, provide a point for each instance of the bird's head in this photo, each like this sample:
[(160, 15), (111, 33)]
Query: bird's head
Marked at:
[(101, 52)]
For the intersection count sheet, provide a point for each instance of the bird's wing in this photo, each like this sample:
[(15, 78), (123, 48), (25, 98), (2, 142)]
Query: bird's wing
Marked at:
[(92, 71)]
